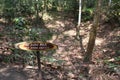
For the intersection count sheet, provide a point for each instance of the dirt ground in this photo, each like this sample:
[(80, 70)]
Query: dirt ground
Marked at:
[(107, 46)]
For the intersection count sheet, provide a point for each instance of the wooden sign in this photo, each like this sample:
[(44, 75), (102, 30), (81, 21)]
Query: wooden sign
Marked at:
[(35, 46)]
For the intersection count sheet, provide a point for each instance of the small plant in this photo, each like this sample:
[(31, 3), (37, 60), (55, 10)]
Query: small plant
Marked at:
[(113, 63), (114, 12), (20, 23), (87, 14)]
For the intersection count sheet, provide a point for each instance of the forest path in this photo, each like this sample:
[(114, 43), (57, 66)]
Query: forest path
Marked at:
[(107, 46), (11, 73)]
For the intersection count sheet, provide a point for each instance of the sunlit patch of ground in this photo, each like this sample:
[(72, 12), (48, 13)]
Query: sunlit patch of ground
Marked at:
[(99, 41), (2, 20), (47, 17), (70, 33), (69, 49)]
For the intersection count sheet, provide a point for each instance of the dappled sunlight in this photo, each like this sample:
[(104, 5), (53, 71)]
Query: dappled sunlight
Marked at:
[(56, 24), (83, 32), (3, 69), (54, 37), (70, 33), (49, 25), (116, 32), (89, 26), (60, 23), (47, 17), (2, 20), (89, 51), (99, 41), (85, 40), (4, 48)]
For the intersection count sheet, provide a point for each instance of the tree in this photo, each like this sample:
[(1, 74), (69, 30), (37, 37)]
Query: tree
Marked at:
[(45, 6), (109, 2), (93, 33), (79, 17), (78, 35)]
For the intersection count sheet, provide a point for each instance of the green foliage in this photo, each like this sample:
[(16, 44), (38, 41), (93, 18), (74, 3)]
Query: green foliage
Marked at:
[(20, 23), (39, 34), (8, 12), (20, 30), (113, 64), (114, 12), (12, 8), (115, 9), (70, 5), (87, 14), (25, 10), (8, 9)]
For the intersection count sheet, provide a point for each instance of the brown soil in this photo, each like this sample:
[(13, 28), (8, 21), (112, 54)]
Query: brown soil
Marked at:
[(107, 46)]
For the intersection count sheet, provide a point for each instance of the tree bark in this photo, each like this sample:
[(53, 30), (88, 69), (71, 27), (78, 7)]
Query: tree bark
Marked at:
[(79, 17), (78, 35), (45, 6), (93, 33), (110, 1), (79, 20)]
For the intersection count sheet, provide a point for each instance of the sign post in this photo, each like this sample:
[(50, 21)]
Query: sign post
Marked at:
[(36, 46), (39, 65)]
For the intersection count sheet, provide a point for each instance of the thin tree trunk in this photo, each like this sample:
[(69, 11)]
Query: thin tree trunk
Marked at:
[(79, 36), (110, 1), (79, 17), (93, 33), (79, 20), (45, 6)]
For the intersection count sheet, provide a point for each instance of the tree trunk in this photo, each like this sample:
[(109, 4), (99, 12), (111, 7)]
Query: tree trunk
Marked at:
[(78, 35), (79, 20), (93, 33), (79, 17), (110, 1), (45, 6)]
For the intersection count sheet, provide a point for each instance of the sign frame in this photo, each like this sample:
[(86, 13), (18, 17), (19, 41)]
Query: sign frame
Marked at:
[(36, 46)]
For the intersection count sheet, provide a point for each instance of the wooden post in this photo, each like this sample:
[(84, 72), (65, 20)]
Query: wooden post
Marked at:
[(38, 60), (36, 46), (39, 66)]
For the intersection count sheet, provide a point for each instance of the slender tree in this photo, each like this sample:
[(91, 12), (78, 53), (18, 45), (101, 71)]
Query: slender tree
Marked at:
[(93, 33), (79, 36), (45, 6), (79, 17), (109, 2)]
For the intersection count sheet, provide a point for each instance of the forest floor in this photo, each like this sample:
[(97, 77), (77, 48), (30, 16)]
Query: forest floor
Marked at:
[(107, 47)]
